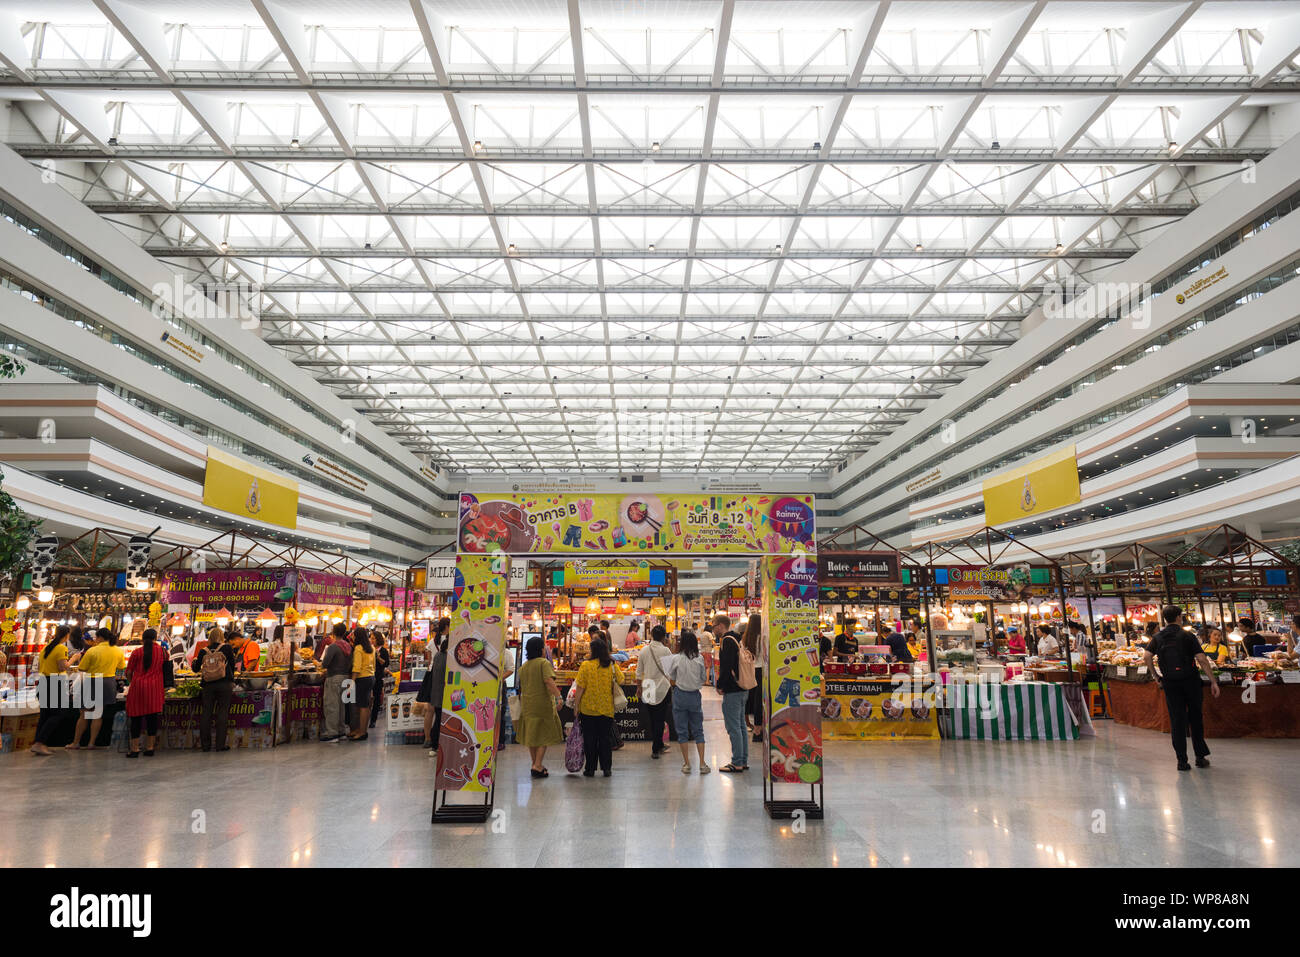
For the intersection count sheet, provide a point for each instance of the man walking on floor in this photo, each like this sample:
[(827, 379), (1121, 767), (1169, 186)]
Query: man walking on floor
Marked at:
[(1179, 654)]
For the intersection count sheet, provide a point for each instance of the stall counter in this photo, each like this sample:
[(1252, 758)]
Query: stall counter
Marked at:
[(1017, 711), (1275, 712)]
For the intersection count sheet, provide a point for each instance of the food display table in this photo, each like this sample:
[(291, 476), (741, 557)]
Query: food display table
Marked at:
[(1017, 711), (1275, 712)]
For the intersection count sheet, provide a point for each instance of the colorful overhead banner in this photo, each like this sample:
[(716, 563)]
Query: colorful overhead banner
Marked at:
[(467, 738), (250, 491), (792, 672), (1042, 485), (230, 588), (637, 523)]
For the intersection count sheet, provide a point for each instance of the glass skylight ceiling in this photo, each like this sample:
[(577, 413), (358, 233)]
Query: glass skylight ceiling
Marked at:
[(645, 237)]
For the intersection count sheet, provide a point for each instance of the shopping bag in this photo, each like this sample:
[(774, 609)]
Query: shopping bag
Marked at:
[(574, 755)]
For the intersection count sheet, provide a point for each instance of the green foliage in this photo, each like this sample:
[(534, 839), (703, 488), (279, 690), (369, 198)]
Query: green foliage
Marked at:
[(1290, 551), (17, 528)]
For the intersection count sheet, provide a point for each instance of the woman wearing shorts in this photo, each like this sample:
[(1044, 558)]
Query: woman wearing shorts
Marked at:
[(687, 675)]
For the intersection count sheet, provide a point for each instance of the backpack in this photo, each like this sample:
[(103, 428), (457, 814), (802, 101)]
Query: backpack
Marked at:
[(214, 665), (1177, 662), (746, 677)]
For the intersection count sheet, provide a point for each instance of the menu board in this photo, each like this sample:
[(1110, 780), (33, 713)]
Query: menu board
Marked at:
[(864, 710), (471, 694), (793, 671), (640, 523)]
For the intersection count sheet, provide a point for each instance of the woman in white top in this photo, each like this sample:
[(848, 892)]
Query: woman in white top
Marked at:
[(1047, 643), (656, 690), (686, 672)]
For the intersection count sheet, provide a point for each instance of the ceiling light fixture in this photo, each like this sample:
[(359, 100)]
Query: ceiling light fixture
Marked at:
[(918, 248), (294, 144), (225, 246), (654, 147), (478, 146)]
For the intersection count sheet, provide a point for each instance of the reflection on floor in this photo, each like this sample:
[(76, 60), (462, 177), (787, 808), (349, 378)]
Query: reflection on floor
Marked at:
[(1114, 800)]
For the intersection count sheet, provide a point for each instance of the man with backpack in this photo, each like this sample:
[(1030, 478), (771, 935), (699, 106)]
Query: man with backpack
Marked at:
[(215, 663), (1180, 655), (338, 670), (734, 682)]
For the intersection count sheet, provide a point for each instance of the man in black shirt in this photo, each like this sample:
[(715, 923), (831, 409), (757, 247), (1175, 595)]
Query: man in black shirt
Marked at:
[(1180, 655)]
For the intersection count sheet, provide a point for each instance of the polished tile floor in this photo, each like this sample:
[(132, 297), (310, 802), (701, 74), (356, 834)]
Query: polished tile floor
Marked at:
[(1113, 800)]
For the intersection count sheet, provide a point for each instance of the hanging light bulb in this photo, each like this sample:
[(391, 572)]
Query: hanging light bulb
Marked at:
[(624, 606), (23, 603), (562, 606), (594, 606), (657, 606), (46, 594)]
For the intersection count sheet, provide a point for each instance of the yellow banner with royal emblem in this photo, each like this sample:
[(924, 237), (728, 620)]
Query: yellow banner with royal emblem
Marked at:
[(241, 488), (1046, 483)]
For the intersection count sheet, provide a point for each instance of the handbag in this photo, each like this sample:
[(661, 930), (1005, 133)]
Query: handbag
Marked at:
[(515, 706), (574, 755), (620, 699)]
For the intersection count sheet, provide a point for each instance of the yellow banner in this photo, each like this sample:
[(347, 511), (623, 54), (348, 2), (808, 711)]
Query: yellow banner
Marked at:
[(792, 673), (640, 523), (1042, 485), (467, 738), (861, 710), (241, 488), (589, 575)]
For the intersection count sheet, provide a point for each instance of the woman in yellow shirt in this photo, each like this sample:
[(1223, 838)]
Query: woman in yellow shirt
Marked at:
[(100, 664), (363, 680), (1215, 648), (593, 703), (50, 691)]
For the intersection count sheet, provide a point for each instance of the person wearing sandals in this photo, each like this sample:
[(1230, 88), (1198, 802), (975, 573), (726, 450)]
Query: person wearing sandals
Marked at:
[(687, 674), (52, 690), (734, 695), (99, 664), (539, 697), (144, 696), (431, 687)]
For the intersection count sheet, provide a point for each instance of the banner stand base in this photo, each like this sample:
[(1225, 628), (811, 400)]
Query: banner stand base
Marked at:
[(812, 809), (448, 813)]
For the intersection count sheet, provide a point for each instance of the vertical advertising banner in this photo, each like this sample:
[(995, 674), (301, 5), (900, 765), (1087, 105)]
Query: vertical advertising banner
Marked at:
[(471, 694), (792, 671)]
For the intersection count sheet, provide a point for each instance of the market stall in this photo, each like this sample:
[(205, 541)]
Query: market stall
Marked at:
[(1254, 702)]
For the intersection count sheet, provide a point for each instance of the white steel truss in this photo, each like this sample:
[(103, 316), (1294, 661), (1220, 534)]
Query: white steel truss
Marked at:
[(721, 235)]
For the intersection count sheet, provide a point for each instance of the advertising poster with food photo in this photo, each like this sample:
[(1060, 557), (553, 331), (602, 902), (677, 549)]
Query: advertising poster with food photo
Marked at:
[(471, 694), (795, 684), (869, 710), (639, 523)]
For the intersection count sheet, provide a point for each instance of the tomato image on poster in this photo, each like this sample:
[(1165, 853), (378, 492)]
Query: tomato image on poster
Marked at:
[(794, 688)]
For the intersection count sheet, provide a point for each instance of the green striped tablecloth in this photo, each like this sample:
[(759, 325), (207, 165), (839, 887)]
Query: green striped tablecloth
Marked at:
[(1016, 711)]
